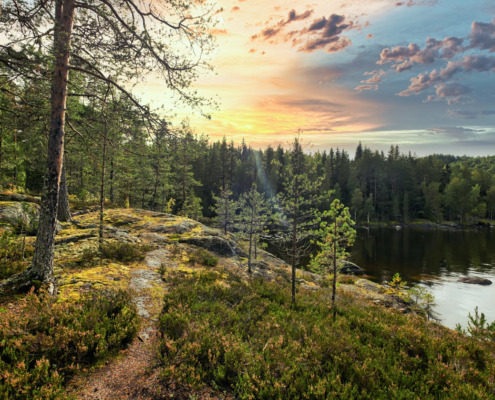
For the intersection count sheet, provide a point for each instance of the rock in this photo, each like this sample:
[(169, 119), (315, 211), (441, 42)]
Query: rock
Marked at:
[(348, 268), (176, 229), (215, 244), (156, 258), (120, 234), (154, 238), (13, 214), (475, 281)]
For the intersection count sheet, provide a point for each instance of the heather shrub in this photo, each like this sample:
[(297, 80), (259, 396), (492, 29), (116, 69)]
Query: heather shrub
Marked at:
[(124, 252), (245, 338), (203, 257), (43, 342)]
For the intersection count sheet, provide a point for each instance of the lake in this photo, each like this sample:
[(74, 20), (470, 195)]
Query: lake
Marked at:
[(436, 259)]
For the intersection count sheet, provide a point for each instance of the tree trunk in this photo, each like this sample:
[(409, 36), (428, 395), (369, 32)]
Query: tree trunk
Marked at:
[(41, 268), (294, 243), (63, 211), (112, 197), (15, 159), (102, 190), (1, 155), (334, 284), (249, 255)]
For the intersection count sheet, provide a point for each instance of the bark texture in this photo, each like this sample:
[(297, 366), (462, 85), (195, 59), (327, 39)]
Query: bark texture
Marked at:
[(41, 268), (63, 212)]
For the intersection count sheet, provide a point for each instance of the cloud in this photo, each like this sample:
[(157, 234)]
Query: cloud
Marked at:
[(322, 33), (483, 36), (406, 56), (360, 88), (467, 114), (456, 132), (412, 3), (219, 32), (274, 30), (451, 92), (403, 58), (421, 82), (325, 32), (376, 76)]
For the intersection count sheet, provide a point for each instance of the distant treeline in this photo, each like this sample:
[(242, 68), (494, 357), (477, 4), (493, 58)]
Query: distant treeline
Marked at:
[(182, 173), (150, 164)]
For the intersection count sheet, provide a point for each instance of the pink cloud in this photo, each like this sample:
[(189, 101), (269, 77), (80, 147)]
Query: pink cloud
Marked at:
[(450, 49), (376, 77), (323, 33), (360, 88), (483, 35)]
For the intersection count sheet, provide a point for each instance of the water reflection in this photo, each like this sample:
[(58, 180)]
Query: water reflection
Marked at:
[(436, 258)]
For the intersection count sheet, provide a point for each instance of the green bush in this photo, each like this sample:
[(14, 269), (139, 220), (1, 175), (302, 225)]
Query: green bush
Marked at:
[(44, 342), (246, 338), (124, 252), (203, 257), (11, 254)]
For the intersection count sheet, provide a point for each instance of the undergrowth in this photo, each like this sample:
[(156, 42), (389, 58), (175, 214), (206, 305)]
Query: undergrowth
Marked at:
[(116, 251), (203, 257), (14, 253), (44, 342), (245, 338)]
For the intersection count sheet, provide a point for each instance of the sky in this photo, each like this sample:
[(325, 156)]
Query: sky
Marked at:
[(415, 73)]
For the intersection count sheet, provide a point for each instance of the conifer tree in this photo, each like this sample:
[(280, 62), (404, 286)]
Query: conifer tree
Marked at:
[(253, 218), (296, 212), (335, 236), (225, 208)]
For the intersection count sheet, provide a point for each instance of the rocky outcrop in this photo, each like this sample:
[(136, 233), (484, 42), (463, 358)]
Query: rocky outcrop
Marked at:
[(22, 216), (216, 244), (177, 228), (19, 215), (475, 281)]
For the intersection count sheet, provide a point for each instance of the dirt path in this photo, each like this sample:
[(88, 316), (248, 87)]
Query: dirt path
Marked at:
[(133, 375)]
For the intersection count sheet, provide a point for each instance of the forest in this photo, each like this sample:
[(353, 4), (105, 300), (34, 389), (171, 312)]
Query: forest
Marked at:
[(164, 168)]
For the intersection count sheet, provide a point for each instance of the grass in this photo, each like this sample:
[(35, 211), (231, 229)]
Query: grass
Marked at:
[(246, 339)]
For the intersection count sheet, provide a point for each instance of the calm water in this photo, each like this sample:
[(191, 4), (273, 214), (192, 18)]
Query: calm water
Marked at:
[(435, 259)]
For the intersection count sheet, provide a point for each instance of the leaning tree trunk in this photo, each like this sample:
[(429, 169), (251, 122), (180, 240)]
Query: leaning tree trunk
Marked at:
[(41, 268), (63, 211)]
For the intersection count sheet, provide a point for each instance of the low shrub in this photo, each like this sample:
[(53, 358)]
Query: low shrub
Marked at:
[(13, 254), (347, 279), (245, 338), (124, 252), (203, 257), (43, 342)]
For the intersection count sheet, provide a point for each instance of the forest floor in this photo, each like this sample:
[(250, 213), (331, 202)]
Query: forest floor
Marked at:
[(171, 245), (134, 373)]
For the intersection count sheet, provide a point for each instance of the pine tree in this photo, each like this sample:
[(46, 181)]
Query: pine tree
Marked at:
[(297, 209), (335, 236), (253, 218)]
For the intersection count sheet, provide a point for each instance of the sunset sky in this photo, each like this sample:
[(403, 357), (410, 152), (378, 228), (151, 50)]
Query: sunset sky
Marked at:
[(417, 73)]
